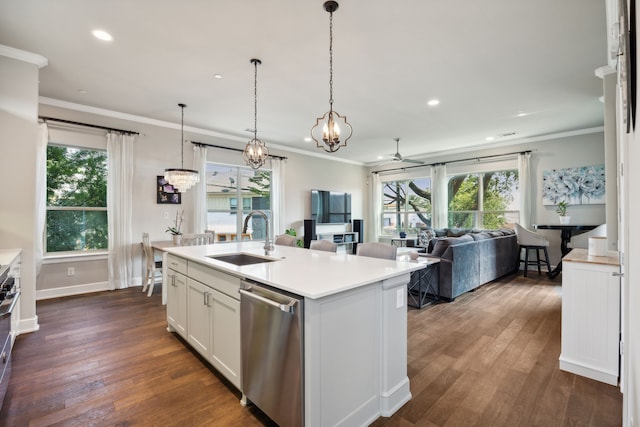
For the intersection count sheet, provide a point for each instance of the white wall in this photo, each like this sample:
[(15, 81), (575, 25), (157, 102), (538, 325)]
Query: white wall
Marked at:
[(631, 398), (18, 133), (158, 147)]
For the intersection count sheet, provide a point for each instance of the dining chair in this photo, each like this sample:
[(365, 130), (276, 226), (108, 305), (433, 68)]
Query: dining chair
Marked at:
[(323, 245), (197, 239), (285, 240), (377, 250), (213, 234), (531, 241), (582, 240), (153, 266)]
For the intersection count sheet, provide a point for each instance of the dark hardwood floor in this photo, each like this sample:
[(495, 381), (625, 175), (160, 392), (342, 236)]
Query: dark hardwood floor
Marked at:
[(490, 358)]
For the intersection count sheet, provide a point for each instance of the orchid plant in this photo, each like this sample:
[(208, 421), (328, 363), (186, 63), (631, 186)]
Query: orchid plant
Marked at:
[(177, 223)]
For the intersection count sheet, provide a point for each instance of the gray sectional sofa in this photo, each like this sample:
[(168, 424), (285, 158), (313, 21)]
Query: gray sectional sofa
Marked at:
[(470, 258)]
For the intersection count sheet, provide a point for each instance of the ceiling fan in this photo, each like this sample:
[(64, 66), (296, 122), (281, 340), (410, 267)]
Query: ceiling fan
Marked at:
[(397, 157)]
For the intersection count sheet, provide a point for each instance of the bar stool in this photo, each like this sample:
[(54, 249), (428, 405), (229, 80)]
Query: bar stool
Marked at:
[(530, 241)]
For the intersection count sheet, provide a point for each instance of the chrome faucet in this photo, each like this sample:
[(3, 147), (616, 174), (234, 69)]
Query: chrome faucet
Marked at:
[(268, 246)]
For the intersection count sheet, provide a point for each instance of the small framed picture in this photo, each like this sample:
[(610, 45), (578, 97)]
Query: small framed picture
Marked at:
[(166, 192)]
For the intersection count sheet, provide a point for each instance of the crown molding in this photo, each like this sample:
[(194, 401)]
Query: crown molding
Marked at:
[(24, 56), (604, 71), (161, 123)]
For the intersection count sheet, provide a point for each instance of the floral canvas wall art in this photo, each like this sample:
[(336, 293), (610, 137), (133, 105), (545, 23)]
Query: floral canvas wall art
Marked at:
[(576, 186)]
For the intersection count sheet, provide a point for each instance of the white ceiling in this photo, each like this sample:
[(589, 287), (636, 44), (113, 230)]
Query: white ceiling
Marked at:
[(486, 61)]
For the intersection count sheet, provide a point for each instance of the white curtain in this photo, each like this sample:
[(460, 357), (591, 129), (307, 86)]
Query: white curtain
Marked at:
[(439, 196), (41, 193), (119, 208), (278, 174), (375, 206), (200, 189), (524, 176)]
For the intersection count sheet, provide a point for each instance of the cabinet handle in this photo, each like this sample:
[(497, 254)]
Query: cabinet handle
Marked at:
[(206, 298), (615, 274), (4, 357)]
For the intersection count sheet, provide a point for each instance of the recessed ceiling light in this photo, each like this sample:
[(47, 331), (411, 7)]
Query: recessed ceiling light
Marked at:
[(433, 102), (380, 157), (82, 91), (102, 35), (307, 139), (489, 138), (217, 76), (522, 114)]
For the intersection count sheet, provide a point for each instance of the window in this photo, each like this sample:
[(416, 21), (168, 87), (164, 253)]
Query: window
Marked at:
[(406, 205), (76, 199), (484, 200), (226, 187)]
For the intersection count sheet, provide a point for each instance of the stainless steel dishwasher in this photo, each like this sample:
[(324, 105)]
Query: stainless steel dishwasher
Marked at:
[(271, 323)]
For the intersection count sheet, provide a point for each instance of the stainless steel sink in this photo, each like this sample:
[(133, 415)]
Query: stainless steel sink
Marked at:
[(241, 259)]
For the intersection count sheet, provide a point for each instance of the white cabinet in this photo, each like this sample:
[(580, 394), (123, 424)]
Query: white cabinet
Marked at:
[(177, 295), (591, 316), (225, 337), (199, 317), (211, 314)]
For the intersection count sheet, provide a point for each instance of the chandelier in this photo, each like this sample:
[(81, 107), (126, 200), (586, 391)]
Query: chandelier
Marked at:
[(327, 136), (255, 153), (182, 179)]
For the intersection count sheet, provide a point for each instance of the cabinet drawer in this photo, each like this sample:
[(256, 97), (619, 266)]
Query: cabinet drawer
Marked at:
[(215, 279), (177, 264)]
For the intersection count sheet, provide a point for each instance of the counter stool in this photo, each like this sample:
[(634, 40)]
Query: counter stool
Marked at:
[(530, 241)]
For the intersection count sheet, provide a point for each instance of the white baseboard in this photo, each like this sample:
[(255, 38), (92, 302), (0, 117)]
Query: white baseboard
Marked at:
[(71, 290), (28, 325)]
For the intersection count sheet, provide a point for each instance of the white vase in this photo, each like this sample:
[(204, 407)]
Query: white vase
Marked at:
[(564, 220), (177, 239)]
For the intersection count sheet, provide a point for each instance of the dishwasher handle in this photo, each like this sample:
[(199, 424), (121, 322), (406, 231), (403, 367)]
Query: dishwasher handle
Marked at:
[(288, 308)]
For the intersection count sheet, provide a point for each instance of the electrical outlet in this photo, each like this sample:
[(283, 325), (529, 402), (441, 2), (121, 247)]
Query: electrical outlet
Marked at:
[(166, 215), (71, 271)]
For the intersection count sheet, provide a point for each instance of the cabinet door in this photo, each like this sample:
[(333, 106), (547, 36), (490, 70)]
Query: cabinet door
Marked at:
[(590, 321), (177, 302), (199, 317), (225, 337)]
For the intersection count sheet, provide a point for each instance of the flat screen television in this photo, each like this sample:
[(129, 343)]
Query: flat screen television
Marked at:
[(330, 207)]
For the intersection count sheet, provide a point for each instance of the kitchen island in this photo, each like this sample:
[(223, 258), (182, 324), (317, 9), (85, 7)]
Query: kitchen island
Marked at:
[(355, 322)]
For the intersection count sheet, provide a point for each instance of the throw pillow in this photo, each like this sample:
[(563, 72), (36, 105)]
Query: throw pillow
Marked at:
[(425, 236), (456, 232)]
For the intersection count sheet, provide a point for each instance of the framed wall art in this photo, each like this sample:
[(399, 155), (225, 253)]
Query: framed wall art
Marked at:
[(577, 186), (166, 193)]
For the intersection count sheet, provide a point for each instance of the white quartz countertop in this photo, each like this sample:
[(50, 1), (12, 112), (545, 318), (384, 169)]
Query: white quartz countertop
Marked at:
[(7, 256), (308, 273)]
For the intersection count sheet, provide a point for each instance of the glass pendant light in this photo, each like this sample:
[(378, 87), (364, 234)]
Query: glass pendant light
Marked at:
[(255, 153), (327, 136), (182, 179)]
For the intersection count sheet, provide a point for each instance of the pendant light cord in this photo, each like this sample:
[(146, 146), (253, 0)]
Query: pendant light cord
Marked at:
[(255, 98), (330, 61), (182, 135)]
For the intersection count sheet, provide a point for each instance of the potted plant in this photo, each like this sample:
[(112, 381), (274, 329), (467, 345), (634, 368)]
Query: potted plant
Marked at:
[(292, 232), (175, 230), (561, 210)]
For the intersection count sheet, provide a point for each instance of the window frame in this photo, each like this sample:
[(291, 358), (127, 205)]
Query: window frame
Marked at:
[(49, 208), (238, 194), (405, 212), (480, 212)]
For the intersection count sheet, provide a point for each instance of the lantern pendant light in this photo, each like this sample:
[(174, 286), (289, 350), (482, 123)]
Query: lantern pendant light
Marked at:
[(182, 179), (255, 153), (326, 132)]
